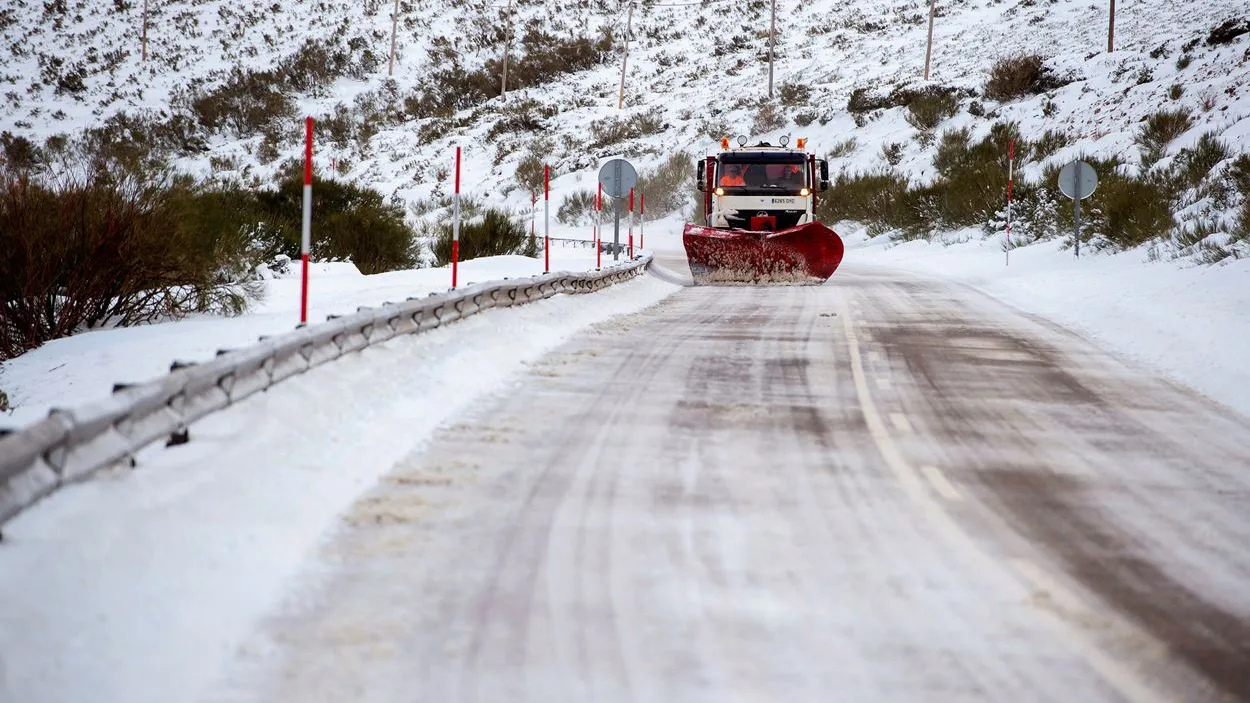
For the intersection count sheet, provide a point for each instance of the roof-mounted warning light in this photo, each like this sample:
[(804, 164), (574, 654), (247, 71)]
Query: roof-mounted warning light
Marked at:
[(801, 143), (724, 143)]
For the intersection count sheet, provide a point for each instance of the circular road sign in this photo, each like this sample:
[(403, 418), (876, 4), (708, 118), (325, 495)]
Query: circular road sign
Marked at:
[(617, 177), (1078, 180)]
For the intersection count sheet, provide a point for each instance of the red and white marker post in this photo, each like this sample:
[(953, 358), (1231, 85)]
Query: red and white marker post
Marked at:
[(305, 245), (455, 226), (631, 223), (546, 219), (1011, 162), (598, 224), (642, 219)]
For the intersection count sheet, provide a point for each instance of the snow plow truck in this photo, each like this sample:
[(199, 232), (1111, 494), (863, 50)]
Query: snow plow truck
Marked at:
[(760, 225)]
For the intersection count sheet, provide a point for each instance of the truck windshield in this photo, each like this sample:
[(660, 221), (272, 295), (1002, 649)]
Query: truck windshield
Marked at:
[(768, 176)]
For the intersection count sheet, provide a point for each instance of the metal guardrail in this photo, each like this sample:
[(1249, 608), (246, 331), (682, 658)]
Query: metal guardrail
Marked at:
[(72, 445)]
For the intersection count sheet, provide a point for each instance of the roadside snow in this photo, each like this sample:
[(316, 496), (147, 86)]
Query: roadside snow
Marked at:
[(1191, 325), (82, 368), (134, 588)]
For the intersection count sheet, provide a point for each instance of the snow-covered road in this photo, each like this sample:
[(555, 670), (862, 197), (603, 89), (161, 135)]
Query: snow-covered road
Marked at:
[(880, 489)]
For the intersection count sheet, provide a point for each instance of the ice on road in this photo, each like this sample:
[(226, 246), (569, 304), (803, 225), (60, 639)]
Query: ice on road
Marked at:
[(880, 489)]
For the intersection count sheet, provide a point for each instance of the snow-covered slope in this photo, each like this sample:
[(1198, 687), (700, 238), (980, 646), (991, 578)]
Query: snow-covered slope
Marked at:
[(696, 66)]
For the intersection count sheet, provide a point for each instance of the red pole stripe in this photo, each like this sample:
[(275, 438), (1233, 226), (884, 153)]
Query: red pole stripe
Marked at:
[(308, 139)]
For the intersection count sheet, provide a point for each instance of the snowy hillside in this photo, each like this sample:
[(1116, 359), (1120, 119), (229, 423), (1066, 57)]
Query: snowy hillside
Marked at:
[(696, 70)]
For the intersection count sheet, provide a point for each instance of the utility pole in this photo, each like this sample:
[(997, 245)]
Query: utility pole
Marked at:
[(928, 52), (507, 49), (629, 24), (145, 30), (390, 71), (1111, 30), (772, 42)]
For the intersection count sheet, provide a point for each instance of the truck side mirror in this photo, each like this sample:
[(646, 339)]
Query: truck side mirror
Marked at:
[(824, 170), (698, 175)]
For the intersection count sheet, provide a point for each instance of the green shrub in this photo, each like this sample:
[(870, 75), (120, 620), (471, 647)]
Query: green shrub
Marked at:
[(768, 118), (448, 85), (1241, 229), (109, 249), (4, 402), (879, 199), (19, 153), (667, 186), (1239, 174), (928, 110), (494, 234), (714, 128), (529, 173), (1126, 212), (794, 94), (611, 131), (577, 208), (1161, 129), (1050, 142), (315, 66), (843, 148), (1019, 76), (352, 223), (1197, 162), (525, 115), (892, 152), (863, 101), (244, 103)]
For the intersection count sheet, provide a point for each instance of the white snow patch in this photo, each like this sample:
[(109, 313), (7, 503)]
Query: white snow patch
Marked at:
[(134, 588), (1191, 325)]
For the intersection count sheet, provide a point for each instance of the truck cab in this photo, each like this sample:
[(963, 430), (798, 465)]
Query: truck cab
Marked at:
[(761, 187)]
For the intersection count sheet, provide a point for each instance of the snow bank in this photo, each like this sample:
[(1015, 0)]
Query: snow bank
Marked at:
[(133, 588), (1191, 324), (84, 367)]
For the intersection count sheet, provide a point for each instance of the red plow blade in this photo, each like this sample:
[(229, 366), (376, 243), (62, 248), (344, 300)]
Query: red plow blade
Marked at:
[(807, 253)]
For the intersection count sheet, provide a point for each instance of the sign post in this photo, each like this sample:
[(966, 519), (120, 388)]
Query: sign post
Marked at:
[(1078, 180), (305, 246), (618, 178)]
